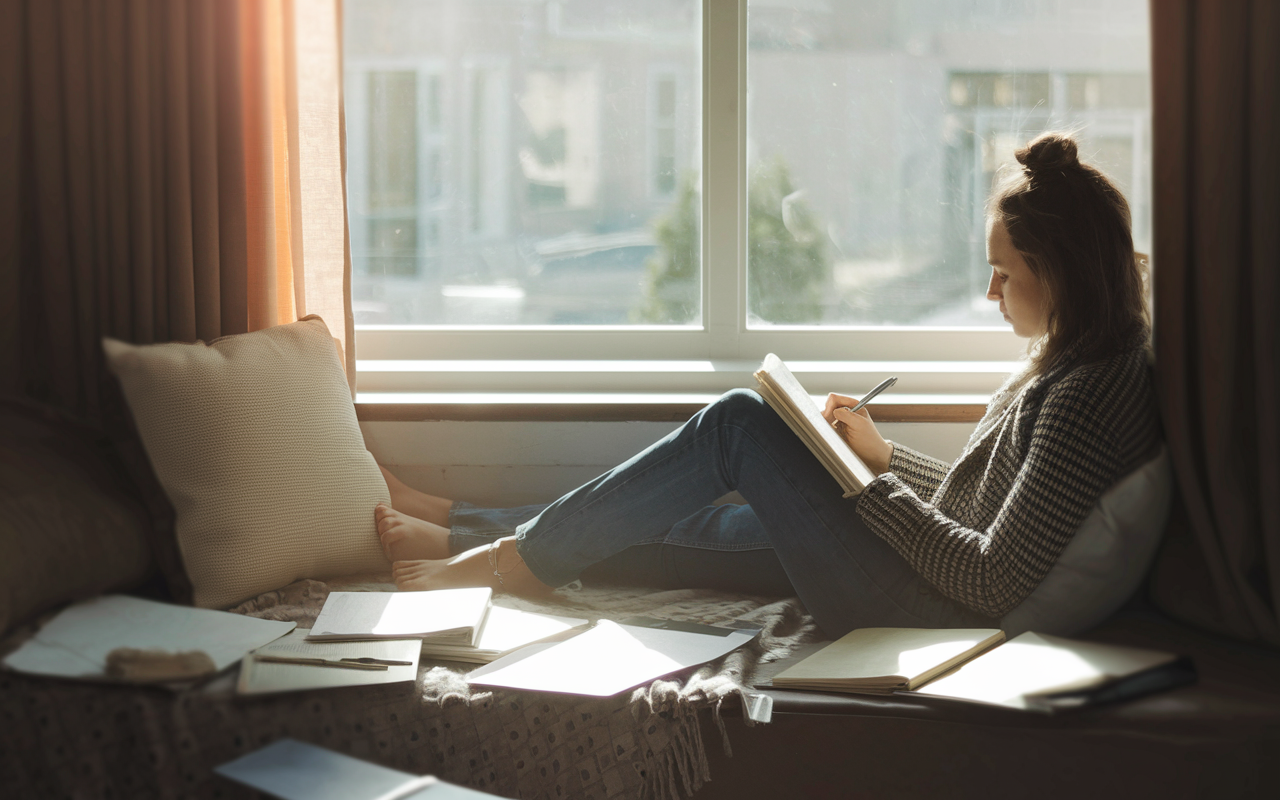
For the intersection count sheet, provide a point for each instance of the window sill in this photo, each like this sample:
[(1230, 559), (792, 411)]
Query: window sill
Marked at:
[(670, 390), (620, 407)]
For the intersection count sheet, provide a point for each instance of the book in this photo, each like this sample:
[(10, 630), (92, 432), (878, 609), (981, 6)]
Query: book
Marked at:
[(784, 394), (293, 770), (505, 631), (886, 660), (1035, 672), (454, 616), (268, 677)]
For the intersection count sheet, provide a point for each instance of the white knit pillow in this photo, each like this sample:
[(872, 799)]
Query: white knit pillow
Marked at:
[(254, 438), (1106, 559)]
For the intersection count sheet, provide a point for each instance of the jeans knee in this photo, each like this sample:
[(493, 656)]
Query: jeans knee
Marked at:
[(739, 405)]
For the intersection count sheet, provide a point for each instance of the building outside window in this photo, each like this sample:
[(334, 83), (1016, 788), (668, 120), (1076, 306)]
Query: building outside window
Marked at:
[(539, 168)]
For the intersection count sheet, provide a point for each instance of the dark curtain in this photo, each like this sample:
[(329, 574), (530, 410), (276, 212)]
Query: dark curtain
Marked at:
[(1216, 77)]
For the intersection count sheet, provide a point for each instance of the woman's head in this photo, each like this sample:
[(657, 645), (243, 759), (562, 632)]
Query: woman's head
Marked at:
[(1063, 266)]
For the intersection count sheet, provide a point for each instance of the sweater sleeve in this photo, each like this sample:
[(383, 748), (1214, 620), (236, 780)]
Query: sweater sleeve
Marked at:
[(1071, 461), (923, 473)]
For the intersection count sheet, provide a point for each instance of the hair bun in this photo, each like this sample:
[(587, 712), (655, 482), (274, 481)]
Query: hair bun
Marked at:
[(1049, 151)]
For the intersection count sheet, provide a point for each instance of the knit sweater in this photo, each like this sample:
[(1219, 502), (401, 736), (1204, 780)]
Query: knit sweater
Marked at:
[(988, 528)]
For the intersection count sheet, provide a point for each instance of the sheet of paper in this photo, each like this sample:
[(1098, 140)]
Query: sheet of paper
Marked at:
[(606, 659), (258, 677), (293, 770), (401, 614), (1037, 664), (75, 643)]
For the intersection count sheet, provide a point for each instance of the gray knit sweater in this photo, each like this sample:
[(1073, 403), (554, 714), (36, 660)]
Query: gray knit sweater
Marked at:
[(987, 529)]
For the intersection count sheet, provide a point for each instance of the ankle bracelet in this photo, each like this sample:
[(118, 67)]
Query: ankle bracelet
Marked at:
[(493, 562)]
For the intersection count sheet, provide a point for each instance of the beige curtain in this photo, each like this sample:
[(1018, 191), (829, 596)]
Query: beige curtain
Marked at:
[(172, 171)]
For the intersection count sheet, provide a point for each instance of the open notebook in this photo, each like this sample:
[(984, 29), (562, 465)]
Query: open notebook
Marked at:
[(1031, 671), (784, 394)]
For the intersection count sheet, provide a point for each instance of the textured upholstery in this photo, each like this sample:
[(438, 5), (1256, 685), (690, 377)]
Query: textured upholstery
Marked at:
[(70, 525), (254, 439)]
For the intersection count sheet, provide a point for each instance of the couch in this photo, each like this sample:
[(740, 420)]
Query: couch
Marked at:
[(78, 520)]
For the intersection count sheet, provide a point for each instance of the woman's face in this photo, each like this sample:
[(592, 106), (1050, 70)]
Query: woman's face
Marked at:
[(1013, 285)]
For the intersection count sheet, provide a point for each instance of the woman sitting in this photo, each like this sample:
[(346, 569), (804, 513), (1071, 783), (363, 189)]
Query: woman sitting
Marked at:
[(926, 544)]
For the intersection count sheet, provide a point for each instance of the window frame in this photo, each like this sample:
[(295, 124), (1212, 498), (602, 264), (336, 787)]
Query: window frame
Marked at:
[(723, 336)]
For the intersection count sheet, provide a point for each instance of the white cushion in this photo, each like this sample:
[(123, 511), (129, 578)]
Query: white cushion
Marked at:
[(255, 440), (1105, 561)]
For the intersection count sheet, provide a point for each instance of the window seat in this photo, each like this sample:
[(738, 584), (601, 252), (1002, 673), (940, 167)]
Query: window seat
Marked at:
[(1215, 738)]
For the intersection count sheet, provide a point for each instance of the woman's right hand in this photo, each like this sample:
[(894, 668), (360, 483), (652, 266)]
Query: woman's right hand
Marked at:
[(859, 431)]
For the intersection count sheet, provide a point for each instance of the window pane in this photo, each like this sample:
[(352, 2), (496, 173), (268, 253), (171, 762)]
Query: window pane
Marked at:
[(518, 162), (874, 132)]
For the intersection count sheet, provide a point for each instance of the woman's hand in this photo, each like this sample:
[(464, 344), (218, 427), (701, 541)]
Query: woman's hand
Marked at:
[(859, 431)]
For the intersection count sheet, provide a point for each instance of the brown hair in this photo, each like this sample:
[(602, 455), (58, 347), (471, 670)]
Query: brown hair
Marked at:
[(1071, 225)]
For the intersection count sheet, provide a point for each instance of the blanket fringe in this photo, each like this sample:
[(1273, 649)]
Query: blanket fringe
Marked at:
[(682, 769)]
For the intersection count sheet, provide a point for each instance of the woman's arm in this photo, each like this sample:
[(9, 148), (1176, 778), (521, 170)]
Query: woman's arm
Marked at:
[(922, 473), (1072, 459)]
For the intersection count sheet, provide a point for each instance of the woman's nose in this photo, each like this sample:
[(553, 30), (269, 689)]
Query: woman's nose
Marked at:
[(993, 287)]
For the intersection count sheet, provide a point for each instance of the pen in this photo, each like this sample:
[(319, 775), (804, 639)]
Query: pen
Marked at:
[(319, 662), (885, 384)]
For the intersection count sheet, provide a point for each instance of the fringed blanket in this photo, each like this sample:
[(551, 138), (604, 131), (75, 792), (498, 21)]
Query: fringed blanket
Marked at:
[(81, 740)]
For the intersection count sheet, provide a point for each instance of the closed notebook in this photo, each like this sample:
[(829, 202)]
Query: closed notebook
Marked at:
[(885, 660), (455, 616)]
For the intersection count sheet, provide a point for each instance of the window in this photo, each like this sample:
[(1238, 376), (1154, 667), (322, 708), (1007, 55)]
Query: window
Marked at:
[(673, 179)]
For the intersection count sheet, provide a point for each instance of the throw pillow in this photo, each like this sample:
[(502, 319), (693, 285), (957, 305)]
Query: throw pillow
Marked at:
[(1106, 559), (254, 439)]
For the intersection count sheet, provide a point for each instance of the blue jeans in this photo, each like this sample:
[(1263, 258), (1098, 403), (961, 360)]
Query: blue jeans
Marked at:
[(651, 517)]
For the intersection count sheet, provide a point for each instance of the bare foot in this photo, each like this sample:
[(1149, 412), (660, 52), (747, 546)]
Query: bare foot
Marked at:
[(406, 538), (475, 567), (417, 504)]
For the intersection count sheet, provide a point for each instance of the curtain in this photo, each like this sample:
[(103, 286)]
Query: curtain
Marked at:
[(1216, 77), (172, 171)]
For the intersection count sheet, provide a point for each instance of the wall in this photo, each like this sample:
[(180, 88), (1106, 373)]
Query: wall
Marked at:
[(513, 463)]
